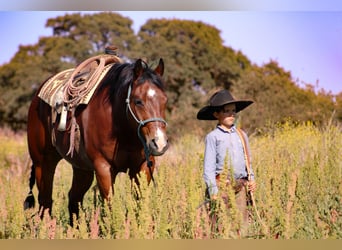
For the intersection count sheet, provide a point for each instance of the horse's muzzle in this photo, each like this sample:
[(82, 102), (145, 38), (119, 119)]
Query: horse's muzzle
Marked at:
[(159, 144)]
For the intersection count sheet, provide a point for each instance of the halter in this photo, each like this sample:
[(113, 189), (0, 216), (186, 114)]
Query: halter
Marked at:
[(141, 124)]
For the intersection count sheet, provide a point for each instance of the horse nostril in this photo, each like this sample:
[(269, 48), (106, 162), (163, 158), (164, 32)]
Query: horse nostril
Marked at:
[(158, 147), (154, 144)]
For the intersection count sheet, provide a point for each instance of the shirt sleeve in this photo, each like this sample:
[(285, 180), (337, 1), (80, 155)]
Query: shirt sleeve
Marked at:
[(209, 173)]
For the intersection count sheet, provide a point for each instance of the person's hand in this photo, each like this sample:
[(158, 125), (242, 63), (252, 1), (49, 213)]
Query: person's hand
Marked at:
[(213, 197), (252, 186)]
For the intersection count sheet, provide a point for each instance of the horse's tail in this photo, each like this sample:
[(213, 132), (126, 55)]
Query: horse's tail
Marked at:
[(30, 201)]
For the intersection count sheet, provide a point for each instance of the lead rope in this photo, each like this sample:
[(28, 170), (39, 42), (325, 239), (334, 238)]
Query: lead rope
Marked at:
[(248, 168)]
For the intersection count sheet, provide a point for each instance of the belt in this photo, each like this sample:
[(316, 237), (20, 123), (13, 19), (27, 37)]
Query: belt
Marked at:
[(218, 178)]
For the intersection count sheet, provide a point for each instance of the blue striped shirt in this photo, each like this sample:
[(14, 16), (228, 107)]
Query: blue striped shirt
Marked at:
[(217, 143)]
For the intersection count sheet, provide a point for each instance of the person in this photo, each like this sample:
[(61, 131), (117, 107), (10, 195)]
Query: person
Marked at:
[(224, 146)]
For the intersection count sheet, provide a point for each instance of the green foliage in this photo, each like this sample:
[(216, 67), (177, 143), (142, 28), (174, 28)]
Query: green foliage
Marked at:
[(75, 38), (302, 172), (90, 34), (277, 98), (197, 63), (297, 166)]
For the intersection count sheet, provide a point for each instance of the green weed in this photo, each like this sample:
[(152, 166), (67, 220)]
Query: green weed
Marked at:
[(298, 169)]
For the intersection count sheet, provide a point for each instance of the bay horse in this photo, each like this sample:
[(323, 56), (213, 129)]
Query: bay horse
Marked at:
[(121, 129)]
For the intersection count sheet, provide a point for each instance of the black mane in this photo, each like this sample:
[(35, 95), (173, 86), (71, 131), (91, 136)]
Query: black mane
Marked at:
[(121, 75)]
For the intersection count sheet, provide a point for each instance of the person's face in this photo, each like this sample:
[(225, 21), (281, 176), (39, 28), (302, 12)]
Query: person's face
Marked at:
[(226, 116)]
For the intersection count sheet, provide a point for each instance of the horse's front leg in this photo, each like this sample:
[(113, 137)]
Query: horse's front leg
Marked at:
[(104, 178), (148, 169), (143, 170)]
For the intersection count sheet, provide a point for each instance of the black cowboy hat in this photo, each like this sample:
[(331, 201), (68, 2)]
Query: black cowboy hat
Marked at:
[(217, 100)]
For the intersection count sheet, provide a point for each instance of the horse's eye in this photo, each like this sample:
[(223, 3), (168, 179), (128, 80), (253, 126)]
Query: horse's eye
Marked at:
[(138, 102)]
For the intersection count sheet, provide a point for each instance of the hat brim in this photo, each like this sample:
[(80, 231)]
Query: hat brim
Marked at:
[(207, 112)]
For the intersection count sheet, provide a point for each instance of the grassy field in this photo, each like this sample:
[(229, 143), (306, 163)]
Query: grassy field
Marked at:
[(298, 170)]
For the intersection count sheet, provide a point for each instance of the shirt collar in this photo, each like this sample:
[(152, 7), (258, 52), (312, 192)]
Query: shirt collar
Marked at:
[(232, 129)]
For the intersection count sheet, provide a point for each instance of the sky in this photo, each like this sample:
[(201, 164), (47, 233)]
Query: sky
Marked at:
[(308, 44)]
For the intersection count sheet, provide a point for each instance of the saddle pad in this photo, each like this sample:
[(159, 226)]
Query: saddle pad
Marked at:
[(52, 92)]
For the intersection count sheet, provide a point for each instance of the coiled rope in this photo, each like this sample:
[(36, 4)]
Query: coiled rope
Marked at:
[(75, 91)]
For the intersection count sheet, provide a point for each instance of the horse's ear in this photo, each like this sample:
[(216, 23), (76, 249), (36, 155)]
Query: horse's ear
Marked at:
[(138, 68), (160, 68)]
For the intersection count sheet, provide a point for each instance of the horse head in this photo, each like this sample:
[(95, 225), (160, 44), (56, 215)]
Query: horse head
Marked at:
[(146, 102)]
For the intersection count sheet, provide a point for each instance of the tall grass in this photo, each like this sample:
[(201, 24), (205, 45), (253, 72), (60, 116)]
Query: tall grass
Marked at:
[(298, 170)]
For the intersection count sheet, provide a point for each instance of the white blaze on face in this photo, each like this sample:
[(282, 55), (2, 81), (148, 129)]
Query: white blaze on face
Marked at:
[(151, 93), (161, 139)]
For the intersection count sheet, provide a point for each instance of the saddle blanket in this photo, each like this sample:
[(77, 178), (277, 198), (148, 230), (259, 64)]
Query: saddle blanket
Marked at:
[(52, 92)]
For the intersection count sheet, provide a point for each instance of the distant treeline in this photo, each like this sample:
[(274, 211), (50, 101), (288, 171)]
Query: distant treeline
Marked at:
[(197, 63)]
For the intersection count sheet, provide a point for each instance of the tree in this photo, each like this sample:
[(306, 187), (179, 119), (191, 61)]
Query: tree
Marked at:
[(75, 38), (196, 62), (277, 98), (91, 33)]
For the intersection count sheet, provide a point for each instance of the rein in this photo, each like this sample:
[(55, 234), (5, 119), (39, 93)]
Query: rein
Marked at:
[(141, 124), (248, 168)]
